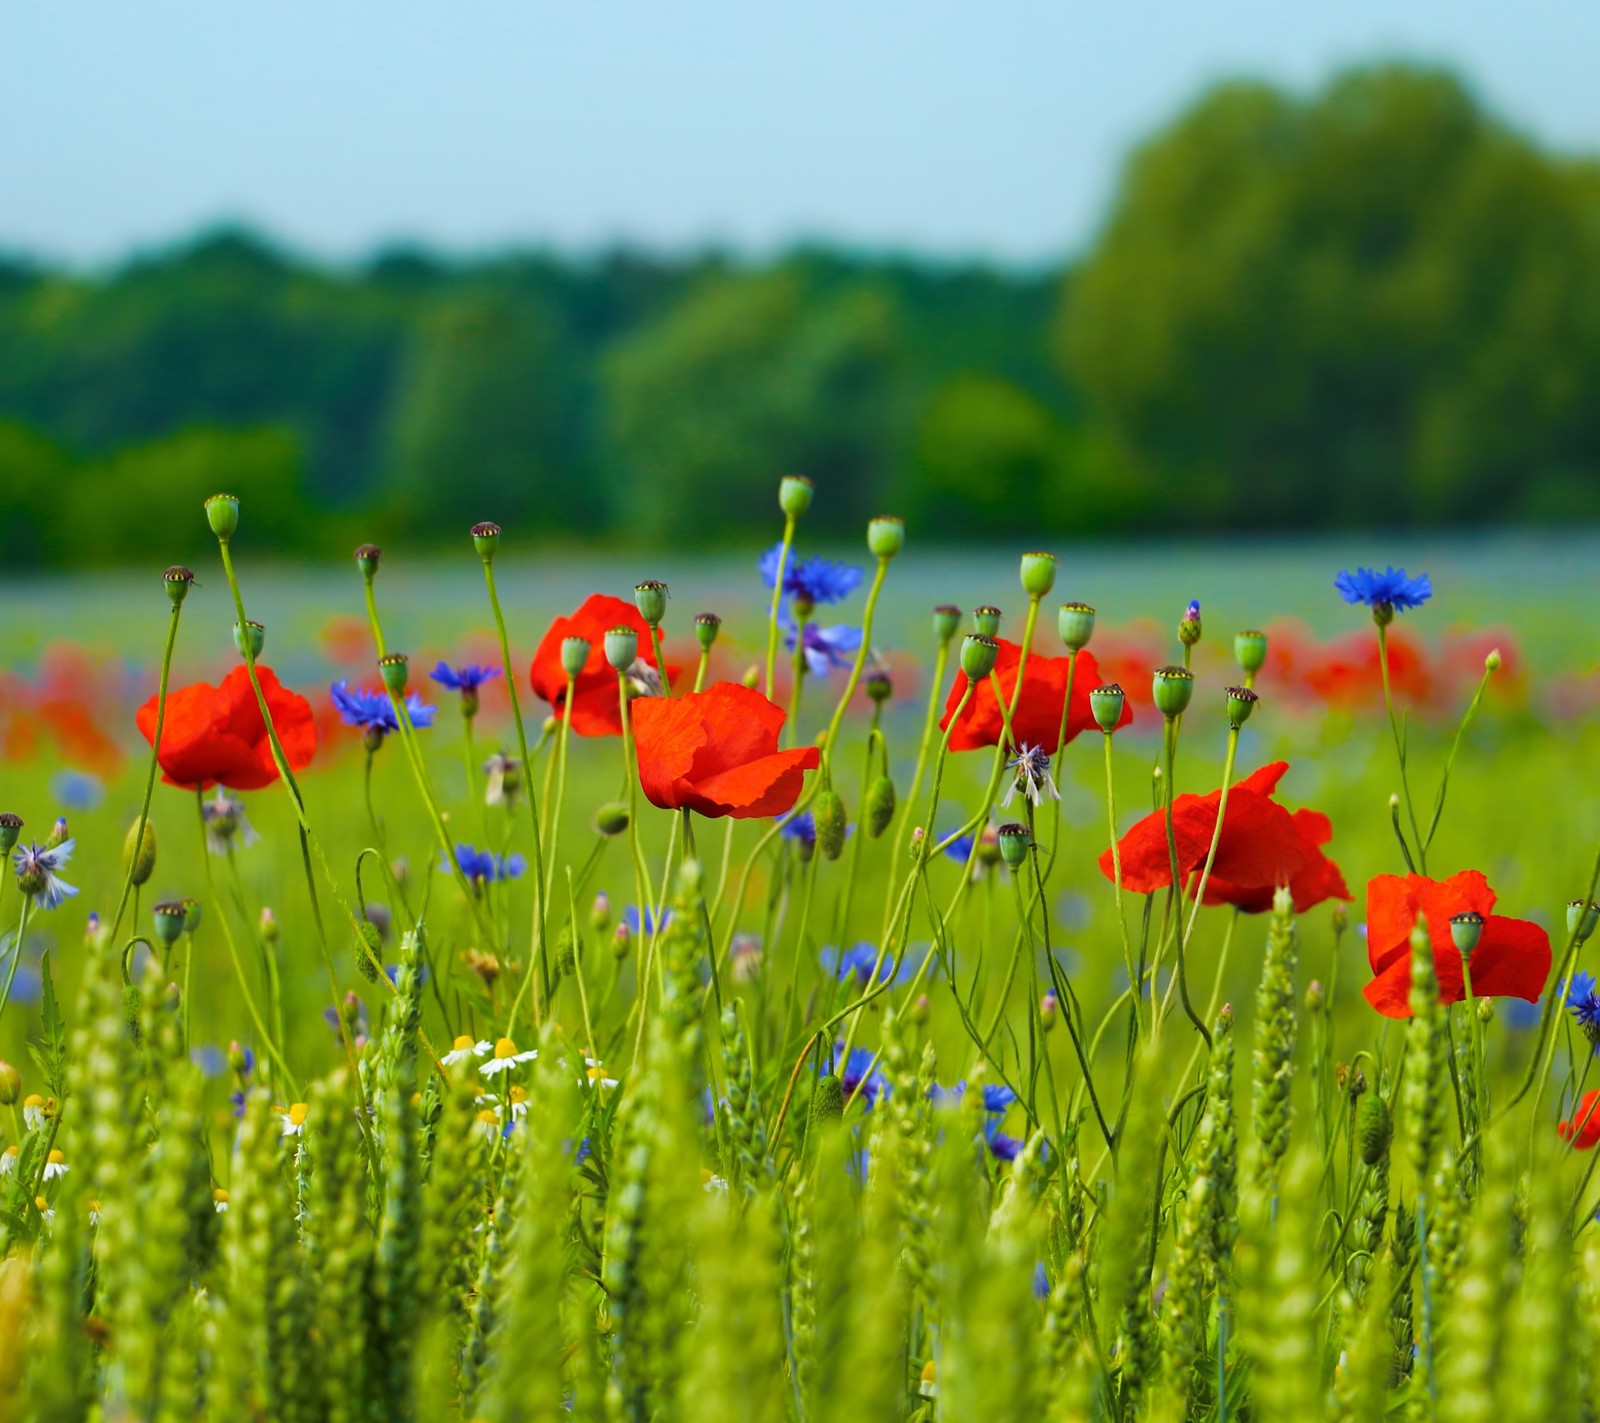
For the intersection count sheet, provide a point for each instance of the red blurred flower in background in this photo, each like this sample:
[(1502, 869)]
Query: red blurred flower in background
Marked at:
[(1583, 1131), (215, 735), (1512, 959), (717, 752), (595, 711), (1038, 717), (1262, 847)]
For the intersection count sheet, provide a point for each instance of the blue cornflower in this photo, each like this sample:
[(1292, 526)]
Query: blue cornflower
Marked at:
[(211, 1061), (36, 872), (484, 866), (391, 971), (997, 1101), (1390, 589), (858, 961), (1001, 1146), (1583, 1002), (462, 679), (631, 917), (814, 580), (858, 1075), (827, 649), (371, 710), (77, 790), (801, 827), (959, 848), (1041, 1282)]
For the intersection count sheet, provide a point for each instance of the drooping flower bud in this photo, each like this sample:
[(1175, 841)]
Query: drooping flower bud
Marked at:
[(1582, 918), (1466, 928), (222, 513), (827, 1101), (612, 818), (878, 807), (794, 494), (979, 653), (168, 917), (986, 620), (1172, 687), (249, 638), (10, 1084), (886, 536), (574, 653), (946, 621), (1106, 704), (1189, 624), (1250, 650), (368, 556), (1038, 574), (139, 852), (1374, 1129), (650, 597), (1075, 623), (394, 668), (10, 828), (706, 628), (622, 647), (177, 580), (1241, 702), (829, 819), (1014, 844)]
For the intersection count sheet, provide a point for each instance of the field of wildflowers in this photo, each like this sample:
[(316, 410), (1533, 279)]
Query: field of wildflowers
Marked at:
[(1051, 1017)]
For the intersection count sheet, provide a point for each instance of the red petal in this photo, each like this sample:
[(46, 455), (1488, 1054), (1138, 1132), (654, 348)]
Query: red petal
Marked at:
[(596, 682), (1037, 721), (767, 786), (667, 732)]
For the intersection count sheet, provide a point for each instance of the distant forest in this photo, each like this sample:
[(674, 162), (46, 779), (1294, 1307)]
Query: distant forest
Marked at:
[(1372, 305)]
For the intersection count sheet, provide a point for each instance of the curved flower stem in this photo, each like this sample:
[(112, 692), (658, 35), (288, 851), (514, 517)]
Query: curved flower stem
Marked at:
[(16, 952), (556, 805), (1455, 746), (150, 777), (1216, 835), (381, 841), (862, 653), (640, 879), (1134, 986), (777, 599), (593, 1049), (700, 670), (1400, 750), (930, 720)]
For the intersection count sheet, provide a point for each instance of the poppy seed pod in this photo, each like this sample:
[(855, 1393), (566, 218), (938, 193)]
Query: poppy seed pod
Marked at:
[(946, 621), (828, 817), (879, 806), (879, 684), (1172, 687), (622, 647), (393, 667), (10, 828), (706, 628), (1189, 624), (177, 580), (794, 494), (1374, 1129), (1014, 843), (574, 653), (978, 656), (1038, 574), (191, 913), (139, 852), (368, 556), (986, 620), (486, 539), (886, 536), (1582, 917), (1075, 622), (1250, 650), (168, 917), (612, 818), (1106, 704), (827, 1100), (222, 513), (650, 597), (249, 637), (368, 950), (1466, 928), (1241, 702)]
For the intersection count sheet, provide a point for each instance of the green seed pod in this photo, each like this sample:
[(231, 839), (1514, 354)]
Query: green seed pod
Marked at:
[(1014, 844), (392, 667), (1173, 687), (827, 1100), (886, 536), (794, 494), (1241, 702), (829, 819), (1075, 623), (979, 653), (249, 637), (986, 620), (10, 828), (191, 914), (222, 513), (1581, 916), (139, 852), (612, 818), (1038, 574), (879, 806), (1250, 650), (1466, 929), (1374, 1129), (369, 950), (946, 621), (574, 653), (650, 597), (177, 580), (706, 628), (622, 647), (168, 917), (368, 556), (1107, 704), (486, 539)]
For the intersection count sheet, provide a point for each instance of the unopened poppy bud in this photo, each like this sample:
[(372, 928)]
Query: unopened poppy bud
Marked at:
[(394, 668), (1582, 917), (241, 1060), (222, 513), (1374, 1129), (369, 949), (139, 852), (989, 846), (706, 628), (1250, 650), (921, 1010), (267, 927), (59, 834), (946, 621), (168, 917), (1173, 687), (612, 818), (1106, 704), (10, 828), (368, 556), (574, 653), (1189, 624), (486, 539), (1075, 622), (400, 868), (192, 912), (177, 580), (1049, 1009), (1316, 999), (828, 817), (878, 808), (886, 536), (249, 637), (1038, 574), (979, 653), (794, 494), (1492, 663), (621, 941), (622, 647), (1241, 702), (1014, 842), (986, 620), (1466, 928), (600, 913), (752, 675), (880, 685), (827, 1100), (650, 597)]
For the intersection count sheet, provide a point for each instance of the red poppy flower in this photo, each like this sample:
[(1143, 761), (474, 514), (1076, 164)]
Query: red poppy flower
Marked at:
[(215, 735), (1038, 717), (1584, 1128), (594, 692), (716, 752), (1512, 959), (1262, 846)]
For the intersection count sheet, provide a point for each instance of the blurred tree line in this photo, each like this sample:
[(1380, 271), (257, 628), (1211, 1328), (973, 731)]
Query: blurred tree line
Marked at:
[(1373, 305)]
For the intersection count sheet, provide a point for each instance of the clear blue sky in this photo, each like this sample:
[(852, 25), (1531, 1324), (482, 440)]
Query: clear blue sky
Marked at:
[(961, 127)]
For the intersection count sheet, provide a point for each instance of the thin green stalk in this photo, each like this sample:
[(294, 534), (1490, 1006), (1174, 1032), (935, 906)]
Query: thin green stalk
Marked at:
[(862, 653), (1400, 750), (1116, 886), (563, 735), (16, 953), (777, 599)]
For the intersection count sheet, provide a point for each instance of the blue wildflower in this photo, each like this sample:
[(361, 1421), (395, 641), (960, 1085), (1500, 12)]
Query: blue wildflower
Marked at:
[(484, 866), (371, 711), (959, 848), (1583, 1002), (858, 1075), (801, 827), (813, 580), (391, 971), (1001, 1146), (859, 960), (1041, 1282), (211, 1061), (36, 872), (1390, 589), (462, 679), (77, 790), (631, 917), (827, 649)]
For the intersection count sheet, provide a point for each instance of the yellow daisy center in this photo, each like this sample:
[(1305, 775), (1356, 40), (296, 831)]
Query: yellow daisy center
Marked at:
[(504, 1047)]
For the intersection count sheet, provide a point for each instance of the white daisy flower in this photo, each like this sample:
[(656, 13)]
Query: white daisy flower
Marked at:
[(294, 1120), (489, 1120), (33, 1111), (505, 1057), (44, 1208), (219, 1200), (8, 1160), (597, 1073), (464, 1048), (55, 1164), (94, 1212), (518, 1098)]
